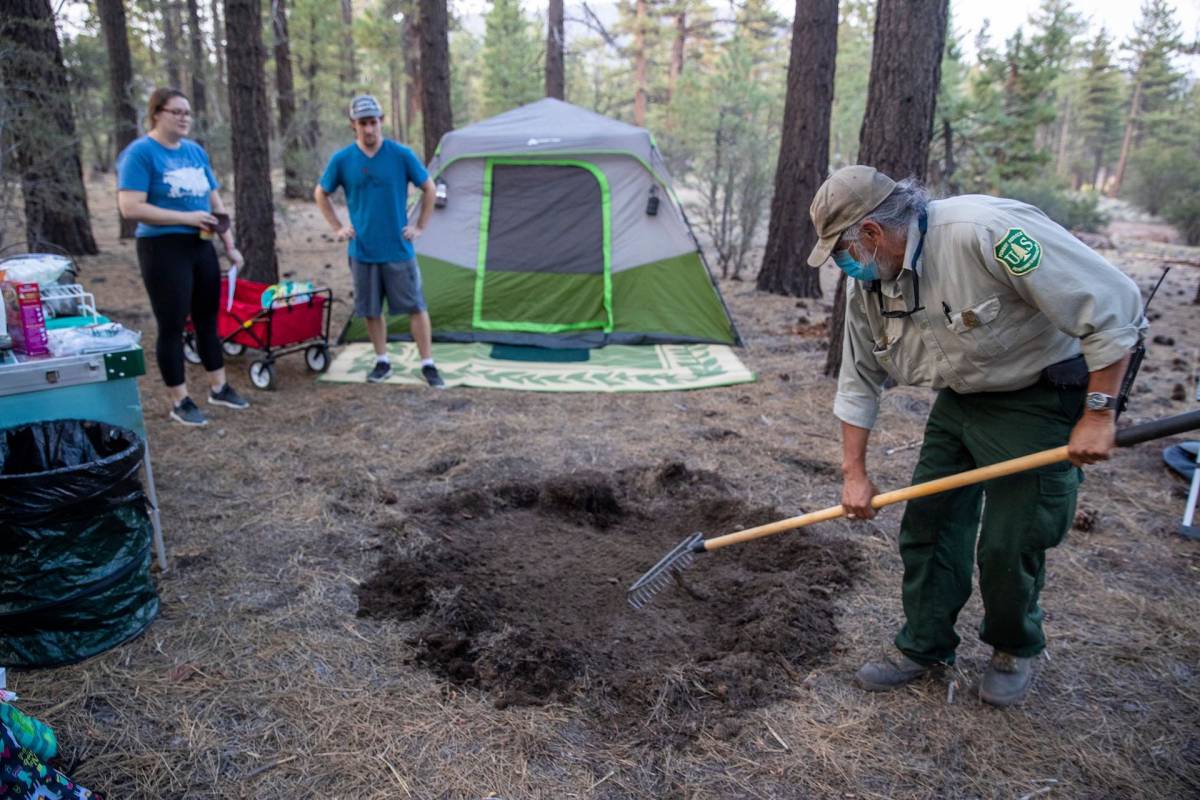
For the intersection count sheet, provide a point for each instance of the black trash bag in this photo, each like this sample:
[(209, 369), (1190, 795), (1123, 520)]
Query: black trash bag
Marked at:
[(74, 542)]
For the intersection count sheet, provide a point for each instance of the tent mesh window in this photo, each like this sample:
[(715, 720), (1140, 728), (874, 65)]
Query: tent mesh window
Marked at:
[(545, 219), (544, 267)]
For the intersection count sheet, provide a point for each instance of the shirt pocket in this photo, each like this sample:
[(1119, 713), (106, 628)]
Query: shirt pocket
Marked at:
[(975, 329), (887, 353)]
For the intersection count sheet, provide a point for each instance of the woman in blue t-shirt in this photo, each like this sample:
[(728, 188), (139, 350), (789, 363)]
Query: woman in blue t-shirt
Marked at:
[(166, 184)]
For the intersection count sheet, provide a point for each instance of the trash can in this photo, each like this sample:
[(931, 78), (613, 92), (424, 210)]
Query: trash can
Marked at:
[(75, 542)]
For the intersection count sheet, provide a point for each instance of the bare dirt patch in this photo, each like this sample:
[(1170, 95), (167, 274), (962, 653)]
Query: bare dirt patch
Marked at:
[(519, 589)]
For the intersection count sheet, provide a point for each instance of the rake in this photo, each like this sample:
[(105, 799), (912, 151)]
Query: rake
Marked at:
[(683, 555)]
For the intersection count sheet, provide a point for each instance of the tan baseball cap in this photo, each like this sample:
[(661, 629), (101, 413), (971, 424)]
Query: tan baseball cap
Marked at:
[(846, 198)]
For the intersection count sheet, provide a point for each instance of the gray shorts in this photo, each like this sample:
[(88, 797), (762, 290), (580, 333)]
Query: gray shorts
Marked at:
[(400, 281)]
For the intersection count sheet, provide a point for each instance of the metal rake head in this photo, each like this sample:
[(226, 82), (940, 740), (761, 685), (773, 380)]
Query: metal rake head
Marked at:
[(657, 578)]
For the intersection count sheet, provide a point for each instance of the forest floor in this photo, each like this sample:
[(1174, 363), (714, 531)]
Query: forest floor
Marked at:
[(382, 591)]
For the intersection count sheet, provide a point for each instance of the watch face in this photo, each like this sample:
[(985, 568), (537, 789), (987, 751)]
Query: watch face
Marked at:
[(1098, 402)]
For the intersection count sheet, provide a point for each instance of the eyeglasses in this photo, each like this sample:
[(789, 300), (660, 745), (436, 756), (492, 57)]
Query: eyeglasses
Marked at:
[(176, 112), (923, 226)]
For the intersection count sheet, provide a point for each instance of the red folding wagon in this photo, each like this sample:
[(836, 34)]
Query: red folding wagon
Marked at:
[(290, 324)]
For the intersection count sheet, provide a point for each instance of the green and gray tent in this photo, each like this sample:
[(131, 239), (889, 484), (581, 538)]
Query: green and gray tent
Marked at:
[(560, 228)]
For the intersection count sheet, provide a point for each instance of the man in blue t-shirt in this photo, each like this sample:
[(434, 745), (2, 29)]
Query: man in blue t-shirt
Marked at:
[(375, 172)]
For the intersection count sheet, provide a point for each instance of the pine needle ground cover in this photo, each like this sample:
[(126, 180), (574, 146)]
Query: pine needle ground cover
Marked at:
[(270, 672)]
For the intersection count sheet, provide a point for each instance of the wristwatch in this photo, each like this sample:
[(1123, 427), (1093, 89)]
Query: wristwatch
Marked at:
[(1099, 401)]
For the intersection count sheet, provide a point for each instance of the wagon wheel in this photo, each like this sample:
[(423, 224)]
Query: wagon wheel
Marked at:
[(189, 348), (262, 375), (316, 357), (233, 348)]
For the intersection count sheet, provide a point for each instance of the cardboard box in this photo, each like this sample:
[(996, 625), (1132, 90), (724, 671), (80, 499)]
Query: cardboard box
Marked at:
[(26, 321)]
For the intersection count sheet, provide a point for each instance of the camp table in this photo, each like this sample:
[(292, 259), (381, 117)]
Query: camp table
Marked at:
[(96, 386)]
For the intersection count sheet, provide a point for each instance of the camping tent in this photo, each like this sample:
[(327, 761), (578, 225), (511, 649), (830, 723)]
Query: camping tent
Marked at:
[(560, 228)]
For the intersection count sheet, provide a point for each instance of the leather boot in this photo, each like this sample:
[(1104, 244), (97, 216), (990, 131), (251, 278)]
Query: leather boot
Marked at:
[(890, 672), (1007, 679)]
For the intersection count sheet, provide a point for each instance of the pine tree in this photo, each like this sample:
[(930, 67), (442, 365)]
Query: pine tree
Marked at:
[(197, 65), (556, 80), (295, 186), (906, 62), (1056, 27), (120, 84), (1100, 99), (1155, 42), (804, 151), (437, 117), (42, 127), (949, 119), (253, 201), (511, 58)]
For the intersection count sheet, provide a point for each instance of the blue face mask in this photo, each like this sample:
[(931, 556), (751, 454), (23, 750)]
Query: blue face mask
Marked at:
[(852, 267)]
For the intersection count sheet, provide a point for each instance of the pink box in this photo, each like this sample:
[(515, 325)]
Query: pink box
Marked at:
[(26, 322)]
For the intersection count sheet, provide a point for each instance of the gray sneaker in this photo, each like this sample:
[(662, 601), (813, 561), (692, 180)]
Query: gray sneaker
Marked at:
[(1007, 680), (188, 413), (227, 397), (890, 672), (382, 371)]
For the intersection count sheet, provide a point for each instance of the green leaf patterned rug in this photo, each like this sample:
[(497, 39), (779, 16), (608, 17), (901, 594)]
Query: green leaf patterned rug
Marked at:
[(616, 368)]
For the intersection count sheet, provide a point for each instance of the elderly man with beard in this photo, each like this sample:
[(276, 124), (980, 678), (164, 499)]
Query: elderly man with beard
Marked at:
[(375, 173), (1025, 334)]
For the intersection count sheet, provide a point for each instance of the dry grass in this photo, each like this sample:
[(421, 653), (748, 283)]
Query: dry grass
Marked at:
[(259, 681)]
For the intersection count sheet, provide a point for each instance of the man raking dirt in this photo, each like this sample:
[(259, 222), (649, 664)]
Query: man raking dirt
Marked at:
[(1026, 333)]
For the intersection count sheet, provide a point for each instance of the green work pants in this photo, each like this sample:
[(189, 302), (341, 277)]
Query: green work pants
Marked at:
[(1023, 515)]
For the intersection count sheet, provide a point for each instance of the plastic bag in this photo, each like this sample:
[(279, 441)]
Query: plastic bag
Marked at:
[(39, 268), (103, 338), (76, 542)]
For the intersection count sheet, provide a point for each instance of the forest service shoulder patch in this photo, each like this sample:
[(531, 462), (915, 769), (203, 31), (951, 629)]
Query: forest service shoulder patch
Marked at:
[(1019, 252)]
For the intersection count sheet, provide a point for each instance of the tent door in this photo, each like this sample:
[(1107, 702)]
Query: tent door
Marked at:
[(545, 255)]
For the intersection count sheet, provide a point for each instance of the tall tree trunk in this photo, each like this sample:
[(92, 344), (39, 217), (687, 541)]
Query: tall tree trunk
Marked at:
[(219, 51), (294, 187), (949, 165), (396, 93), (1127, 142), (42, 127), (250, 126), (311, 130), (556, 81), (197, 65), (348, 74), (1061, 164), (640, 59), (678, 49), (906, 66), (171, 34), (120, 84), (412, 72), (803, 152), (436, 116)]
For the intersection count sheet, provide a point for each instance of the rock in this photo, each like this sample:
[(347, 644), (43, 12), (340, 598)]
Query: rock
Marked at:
[(1179, 393), (1169, 341)]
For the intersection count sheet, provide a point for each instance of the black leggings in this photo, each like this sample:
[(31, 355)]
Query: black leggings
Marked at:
[(182, 275)]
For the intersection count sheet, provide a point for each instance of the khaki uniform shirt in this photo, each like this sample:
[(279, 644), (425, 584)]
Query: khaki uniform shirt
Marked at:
[(1007, 292)]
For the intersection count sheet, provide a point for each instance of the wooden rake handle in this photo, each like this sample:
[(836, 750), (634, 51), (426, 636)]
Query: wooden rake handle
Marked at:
[(1168, 426)]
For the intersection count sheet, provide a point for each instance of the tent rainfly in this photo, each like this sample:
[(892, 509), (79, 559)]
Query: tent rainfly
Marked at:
[(560, 228)]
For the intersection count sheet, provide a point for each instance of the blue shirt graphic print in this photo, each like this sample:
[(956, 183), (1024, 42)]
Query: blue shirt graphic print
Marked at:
[(377, 195), (179, 179)]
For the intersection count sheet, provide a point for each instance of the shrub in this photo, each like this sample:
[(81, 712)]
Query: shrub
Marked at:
[(1073, 210)]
